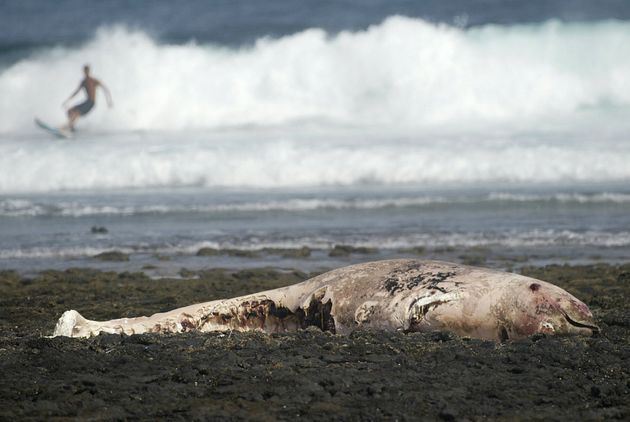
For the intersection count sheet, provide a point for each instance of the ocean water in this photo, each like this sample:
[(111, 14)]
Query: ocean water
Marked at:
[(488, 132)]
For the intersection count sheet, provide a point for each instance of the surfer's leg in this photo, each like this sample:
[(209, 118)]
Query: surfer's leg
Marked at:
[(73, 115), (78, 110)]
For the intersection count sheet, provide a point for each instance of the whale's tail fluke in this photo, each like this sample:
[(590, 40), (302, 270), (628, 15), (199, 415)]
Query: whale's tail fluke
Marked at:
[(68, 324)]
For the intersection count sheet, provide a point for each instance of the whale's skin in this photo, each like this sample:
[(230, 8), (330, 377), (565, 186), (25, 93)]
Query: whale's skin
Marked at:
[(394, 295)]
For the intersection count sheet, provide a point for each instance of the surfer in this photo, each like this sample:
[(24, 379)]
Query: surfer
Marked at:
[(89, 84)]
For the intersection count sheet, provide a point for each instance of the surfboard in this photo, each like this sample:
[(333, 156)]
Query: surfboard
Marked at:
[(58, 133)]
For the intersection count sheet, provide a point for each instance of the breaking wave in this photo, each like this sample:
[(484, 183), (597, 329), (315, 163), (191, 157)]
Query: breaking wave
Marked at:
[(402, 102), (402, 71)]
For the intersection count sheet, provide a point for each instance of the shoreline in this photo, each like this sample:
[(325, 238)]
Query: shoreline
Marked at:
[(235, 376), (174, 265)]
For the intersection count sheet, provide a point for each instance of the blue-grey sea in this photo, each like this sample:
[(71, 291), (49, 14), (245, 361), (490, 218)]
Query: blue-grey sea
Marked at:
[(488, 132)]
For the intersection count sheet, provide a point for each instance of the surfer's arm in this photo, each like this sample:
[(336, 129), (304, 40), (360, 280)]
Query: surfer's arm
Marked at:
[(76, 91)]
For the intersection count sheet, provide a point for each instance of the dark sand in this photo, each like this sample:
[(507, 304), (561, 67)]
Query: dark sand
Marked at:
[(309, 374)]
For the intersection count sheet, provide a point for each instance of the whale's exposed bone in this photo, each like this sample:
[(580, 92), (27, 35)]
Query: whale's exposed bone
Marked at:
[(406, 295)]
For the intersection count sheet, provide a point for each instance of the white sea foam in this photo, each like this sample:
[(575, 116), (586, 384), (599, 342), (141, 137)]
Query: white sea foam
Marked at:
[(55, 252), (21, 207), (27, 208), (115, 164), (525, 239), (579, 198), (404, 101)]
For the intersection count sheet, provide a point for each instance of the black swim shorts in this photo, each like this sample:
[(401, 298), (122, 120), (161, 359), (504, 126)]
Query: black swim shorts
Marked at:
[(84, 107)]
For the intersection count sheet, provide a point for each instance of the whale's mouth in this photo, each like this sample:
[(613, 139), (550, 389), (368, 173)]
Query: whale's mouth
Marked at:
[(594, 328)]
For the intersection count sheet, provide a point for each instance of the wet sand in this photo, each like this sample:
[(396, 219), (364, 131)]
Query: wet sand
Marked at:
[(309, 374)]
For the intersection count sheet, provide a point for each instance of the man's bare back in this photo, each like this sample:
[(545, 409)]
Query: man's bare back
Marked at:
[(89, 84)]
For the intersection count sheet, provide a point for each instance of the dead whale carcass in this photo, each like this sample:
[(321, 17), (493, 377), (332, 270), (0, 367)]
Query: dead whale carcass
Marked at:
[(406, 295)]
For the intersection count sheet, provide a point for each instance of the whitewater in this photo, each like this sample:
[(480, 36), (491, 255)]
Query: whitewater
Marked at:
[(403, 102)]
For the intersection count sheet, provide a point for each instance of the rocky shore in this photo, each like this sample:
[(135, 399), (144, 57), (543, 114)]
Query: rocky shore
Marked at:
[(309, 374)]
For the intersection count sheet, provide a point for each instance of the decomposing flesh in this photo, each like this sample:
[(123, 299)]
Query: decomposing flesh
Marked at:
[(405, 295)]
